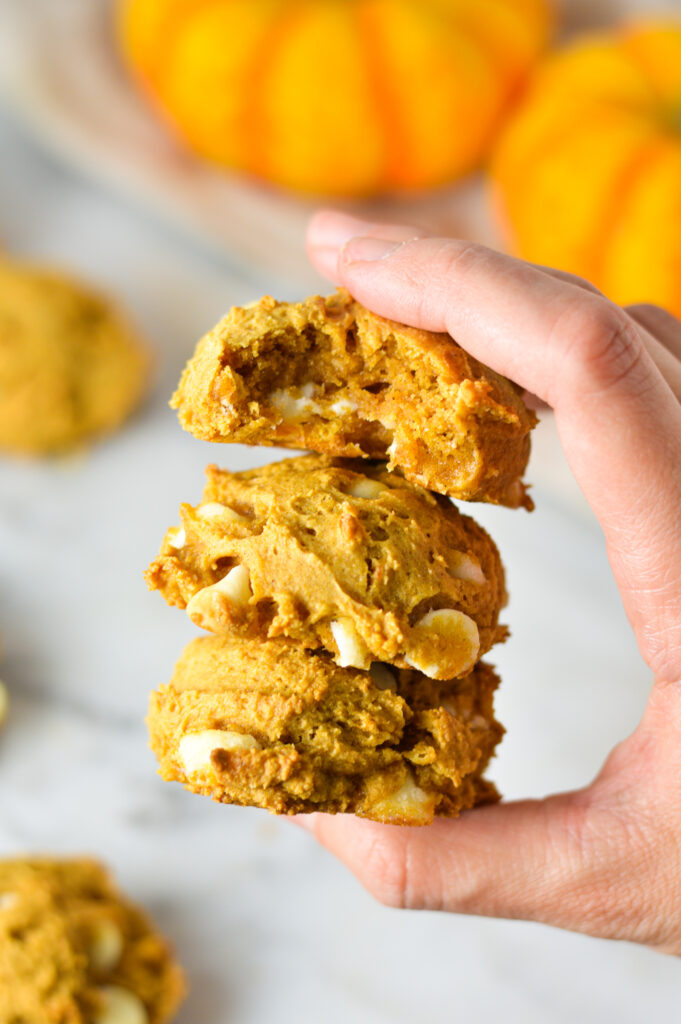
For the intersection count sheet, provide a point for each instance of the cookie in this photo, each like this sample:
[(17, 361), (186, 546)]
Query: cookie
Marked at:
[(328, 375), (341, 555), (74, 951), (71, 368), (276, 726)]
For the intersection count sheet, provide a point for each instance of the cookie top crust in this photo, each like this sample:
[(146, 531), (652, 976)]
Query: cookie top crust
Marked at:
[(340, 555), (74, 950), (328, 375), (71, 367), (276, 726)]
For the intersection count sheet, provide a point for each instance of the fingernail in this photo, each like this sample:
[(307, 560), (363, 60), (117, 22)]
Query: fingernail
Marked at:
[(332, 228), (325, 258), (365, 250)]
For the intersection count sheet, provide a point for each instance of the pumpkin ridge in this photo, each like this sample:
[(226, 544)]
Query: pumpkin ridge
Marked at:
[(173, 25), (621, 191), (253, 122), (487, 51), (587, 175), (401, 72), (632, 43), (396, 143), (571, 125)]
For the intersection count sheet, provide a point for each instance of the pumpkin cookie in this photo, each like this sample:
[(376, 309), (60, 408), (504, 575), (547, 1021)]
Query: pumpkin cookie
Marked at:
[(328, 375), (73, 950), (341, 555), (275, 726), (70, 367)]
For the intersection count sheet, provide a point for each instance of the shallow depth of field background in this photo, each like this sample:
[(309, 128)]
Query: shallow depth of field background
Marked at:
[(268, 926)]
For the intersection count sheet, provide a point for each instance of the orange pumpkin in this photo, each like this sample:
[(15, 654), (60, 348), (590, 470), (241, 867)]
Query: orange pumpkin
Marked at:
[(344, 97), (587, 176)]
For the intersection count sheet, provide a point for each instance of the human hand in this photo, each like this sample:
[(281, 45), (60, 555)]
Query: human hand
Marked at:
[(605, 860)]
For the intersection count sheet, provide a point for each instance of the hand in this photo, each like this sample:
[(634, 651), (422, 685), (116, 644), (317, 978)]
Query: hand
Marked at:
[(605, 860)]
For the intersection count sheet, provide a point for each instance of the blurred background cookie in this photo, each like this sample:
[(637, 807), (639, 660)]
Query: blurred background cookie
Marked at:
[(71, 366), (72, 948)]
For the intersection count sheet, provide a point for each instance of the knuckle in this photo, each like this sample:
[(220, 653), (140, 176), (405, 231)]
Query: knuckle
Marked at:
[(385, 874), (599, 340), (393, 875), (453, 258), (460, 258)]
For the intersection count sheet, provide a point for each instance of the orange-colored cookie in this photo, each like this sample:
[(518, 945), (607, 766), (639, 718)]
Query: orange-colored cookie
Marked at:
[(328, 375), (275, 726)]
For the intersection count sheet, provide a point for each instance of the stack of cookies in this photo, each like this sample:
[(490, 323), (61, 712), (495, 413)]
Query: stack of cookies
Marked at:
[(347, 599)]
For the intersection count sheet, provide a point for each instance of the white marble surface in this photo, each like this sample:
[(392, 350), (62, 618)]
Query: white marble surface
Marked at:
[(269, 927)]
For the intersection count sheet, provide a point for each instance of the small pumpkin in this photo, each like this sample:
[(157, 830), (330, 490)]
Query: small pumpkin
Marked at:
[(339, 97), (587, 176)]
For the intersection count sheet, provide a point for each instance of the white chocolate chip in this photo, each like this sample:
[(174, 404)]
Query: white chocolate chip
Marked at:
[(409, 803), (477, 722), (381, 676), (294, 407), (196, 748), (352, 651), (215, 510), (120, 1006), (8, 900), (233, 590), (176, 537), (344, 406), (466, 567), (236, 585), (462, 643), (366, 488), (106, 946)]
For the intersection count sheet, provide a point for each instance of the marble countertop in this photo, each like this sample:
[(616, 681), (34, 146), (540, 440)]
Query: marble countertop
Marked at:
[(268, 926)]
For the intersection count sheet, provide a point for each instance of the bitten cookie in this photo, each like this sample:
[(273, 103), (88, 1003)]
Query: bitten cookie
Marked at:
[(341, 555), (328, 375), (74, 951), (71, 368), (275, 726)]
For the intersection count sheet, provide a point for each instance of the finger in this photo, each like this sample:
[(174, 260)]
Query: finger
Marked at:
[(329, 230), (619, 421), (668, 365), (661, 331), (563, 275), (558, 861), (664, 332), (661, 324)]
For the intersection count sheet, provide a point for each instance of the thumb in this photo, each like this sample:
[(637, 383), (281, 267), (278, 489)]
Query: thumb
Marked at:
[(558, 861)]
